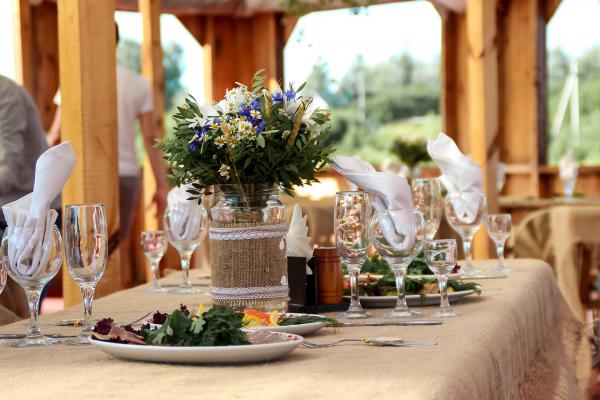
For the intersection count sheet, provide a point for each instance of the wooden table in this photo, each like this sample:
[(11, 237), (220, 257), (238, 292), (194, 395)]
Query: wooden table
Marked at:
[(518, 339)]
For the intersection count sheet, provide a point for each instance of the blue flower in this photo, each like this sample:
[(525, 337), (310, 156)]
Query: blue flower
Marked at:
[(277, 96), (261, 127), (193, 145), (255, 105), (290, 94)]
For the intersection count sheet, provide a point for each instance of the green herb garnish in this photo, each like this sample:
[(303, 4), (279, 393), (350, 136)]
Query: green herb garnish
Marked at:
[(219, 326), (307, 319)]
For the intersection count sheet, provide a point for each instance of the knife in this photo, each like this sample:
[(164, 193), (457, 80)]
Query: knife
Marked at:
[(392, 323), (22, 335)]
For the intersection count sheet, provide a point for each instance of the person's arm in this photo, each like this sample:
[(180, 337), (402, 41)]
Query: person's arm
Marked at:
[(53, 136), (12, 145), (156, 161)]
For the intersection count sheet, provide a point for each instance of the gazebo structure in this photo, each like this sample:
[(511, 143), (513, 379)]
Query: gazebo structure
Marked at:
[(493, 85)]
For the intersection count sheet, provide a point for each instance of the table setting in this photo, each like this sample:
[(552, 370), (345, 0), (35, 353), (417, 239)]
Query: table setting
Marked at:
[(411, 305)]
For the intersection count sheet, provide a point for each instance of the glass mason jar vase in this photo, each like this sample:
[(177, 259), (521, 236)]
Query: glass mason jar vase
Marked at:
[(247, 248)]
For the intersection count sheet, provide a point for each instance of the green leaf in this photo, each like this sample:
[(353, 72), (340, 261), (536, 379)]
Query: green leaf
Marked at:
[(260, 141)]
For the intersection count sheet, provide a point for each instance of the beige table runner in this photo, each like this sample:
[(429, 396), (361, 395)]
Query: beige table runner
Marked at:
[(518, 340)]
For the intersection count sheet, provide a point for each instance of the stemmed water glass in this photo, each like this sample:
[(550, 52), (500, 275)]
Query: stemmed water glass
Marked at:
[(86, 253), (499, 227), (154, 244), (441, 258), (427, 198), (185, 224), (465, 213), (351, 229), (398, 249), (34, 283)]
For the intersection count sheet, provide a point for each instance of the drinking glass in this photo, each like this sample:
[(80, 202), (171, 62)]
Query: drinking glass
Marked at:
[(185, 224), (427, 198), (499, 227), (465, 213), (86, 253), (34, 283), (351, 229), (154, 244), (394, 247), (441, 258)]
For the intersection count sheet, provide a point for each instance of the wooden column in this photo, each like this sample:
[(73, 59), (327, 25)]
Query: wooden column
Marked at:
[(23, 43), (257, 40), (482, 94), (89, 119)]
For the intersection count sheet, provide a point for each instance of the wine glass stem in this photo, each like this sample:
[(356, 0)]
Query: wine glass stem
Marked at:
[(500, 251), (155, 274), (33, 299), (400, 274), (185, 266), (467, 248), (443, 285), (354, 299), (88, 299)]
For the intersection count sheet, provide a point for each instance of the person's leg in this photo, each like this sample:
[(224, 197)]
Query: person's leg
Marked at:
[(129, 190)]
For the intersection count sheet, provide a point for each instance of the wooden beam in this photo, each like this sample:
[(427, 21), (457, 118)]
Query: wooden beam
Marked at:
[(23, 43), (289, 22), (522, 92), (152, 69), (89, 118), (550, 7), (482, 93)]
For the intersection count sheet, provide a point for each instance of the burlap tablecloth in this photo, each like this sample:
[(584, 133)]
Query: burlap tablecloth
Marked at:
[(518, 340)]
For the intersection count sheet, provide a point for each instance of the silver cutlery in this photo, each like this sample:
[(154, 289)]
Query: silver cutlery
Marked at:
[(22, 335), (392, 323), (395, 342), (79, 322)]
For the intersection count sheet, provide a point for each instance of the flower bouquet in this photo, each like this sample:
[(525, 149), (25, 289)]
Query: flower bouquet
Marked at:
[(247, 146)]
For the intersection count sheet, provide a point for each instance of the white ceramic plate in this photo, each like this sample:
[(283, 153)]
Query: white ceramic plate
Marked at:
[(301, 329), (277, 345), (450, 276), (413, 300)]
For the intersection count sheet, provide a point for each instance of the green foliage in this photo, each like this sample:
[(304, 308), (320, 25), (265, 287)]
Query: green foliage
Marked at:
[(219, 326), (411, 152), (247, 138), (307, 319)]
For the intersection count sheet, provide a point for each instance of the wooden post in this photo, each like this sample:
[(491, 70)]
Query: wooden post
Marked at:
[(522, 94), (23, 43), (89, 118), (482, 94), (258, 40), (152, 69)]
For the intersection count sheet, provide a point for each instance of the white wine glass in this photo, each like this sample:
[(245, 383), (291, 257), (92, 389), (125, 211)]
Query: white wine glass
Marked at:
[(351, 229), (427, 198), (391, 233), (154, 244), (33, 283), (186, 227), (86, 253), (499, 227), (441, 258), (465, 212)]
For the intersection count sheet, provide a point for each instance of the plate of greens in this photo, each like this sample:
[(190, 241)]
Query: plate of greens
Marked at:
[(212, 337), (299, 324)]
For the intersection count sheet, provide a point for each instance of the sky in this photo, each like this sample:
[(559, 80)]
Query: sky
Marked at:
[(338, 37)]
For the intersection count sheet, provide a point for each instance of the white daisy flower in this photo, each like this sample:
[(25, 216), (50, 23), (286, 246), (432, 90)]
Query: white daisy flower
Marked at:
[(220, 141), (224, 170)]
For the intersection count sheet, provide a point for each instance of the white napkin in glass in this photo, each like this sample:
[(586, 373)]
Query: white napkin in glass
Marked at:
[(391, 192), (185, 215), (460, 175), (29, 219), (297, 240), (568, 166)]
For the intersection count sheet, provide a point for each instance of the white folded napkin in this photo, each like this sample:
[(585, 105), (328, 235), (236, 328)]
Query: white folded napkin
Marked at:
[(297, 240), (29, 219), (460, 175), (568, 166), (185, 215), (391, 192)]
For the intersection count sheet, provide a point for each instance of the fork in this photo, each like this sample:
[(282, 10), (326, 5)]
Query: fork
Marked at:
[(397, 342)]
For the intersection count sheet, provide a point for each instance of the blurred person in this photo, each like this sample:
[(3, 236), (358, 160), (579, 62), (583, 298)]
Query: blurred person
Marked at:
[(22, 141), (134, 102)]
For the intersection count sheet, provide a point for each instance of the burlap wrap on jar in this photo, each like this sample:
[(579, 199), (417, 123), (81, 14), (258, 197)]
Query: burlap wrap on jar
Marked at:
[(249, 267)]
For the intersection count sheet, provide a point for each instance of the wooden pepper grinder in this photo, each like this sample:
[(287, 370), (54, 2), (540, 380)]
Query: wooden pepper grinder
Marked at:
[(330, 281)]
